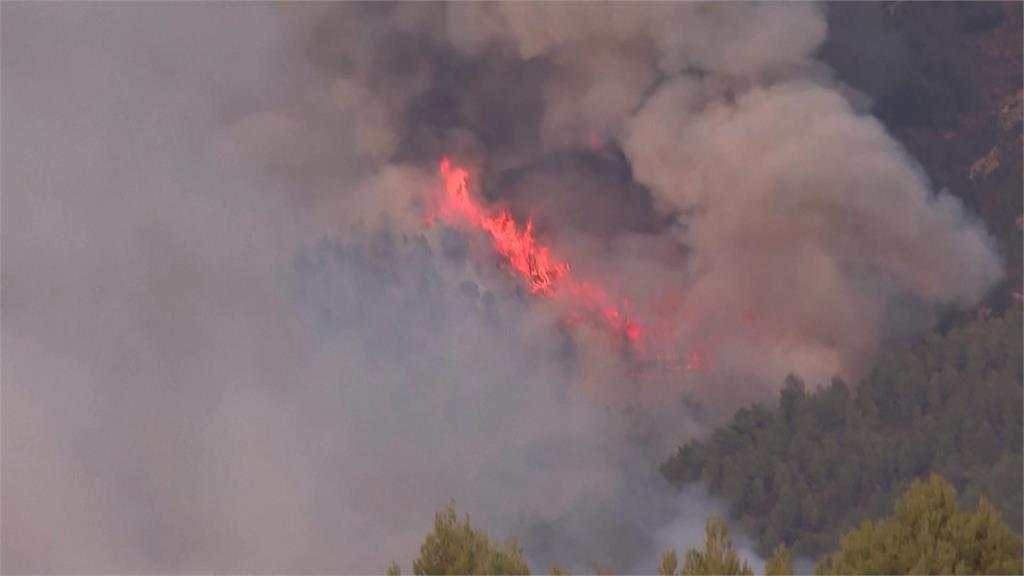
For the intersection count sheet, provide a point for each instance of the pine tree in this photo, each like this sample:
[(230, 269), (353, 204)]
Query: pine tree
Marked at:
[(454, 547), (668, 564), (927, 534), (779, 563), (718, 555)]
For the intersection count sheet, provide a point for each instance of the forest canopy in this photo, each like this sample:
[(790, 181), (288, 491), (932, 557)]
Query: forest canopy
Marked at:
[(824, 460)]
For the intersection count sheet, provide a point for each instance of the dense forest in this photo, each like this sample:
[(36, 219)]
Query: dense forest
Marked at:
[(823, 460)]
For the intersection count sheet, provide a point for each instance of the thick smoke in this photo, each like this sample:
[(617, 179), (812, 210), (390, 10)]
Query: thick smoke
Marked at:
[(231, 345), (811, 218)]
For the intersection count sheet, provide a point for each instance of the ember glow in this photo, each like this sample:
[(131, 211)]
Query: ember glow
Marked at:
[(545, 273)]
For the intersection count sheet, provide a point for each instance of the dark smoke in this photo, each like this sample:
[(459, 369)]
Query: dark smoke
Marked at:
[(590, 191)]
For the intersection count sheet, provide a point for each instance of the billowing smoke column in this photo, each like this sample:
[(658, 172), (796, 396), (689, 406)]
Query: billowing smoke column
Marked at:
[(231, 343), (804, 234)]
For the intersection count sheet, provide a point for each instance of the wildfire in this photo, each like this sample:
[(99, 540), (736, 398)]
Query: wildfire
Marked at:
[(517, 245), (545, 273)]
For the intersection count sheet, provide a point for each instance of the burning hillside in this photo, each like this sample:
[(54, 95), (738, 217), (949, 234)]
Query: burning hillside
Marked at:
[(264, 363), (548, 275)]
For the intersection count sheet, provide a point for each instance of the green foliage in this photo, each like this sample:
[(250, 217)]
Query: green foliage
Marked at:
[(927, 534), (668, 564), (717, 557), (779, 564), (454, 547), (822, 461)]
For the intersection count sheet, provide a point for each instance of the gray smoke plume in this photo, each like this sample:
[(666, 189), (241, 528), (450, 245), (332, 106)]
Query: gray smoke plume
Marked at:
[(230, 343)]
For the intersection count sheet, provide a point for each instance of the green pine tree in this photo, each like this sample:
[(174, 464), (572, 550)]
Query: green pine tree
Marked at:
[(454, 547), (718, 556), (779, 564), (668, 564), (927, 534)]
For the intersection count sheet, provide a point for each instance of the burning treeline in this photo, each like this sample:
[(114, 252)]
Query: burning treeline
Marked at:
[(545, 273)]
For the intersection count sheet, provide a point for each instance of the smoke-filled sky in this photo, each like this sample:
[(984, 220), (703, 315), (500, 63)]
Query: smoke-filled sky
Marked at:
[(231, 343)]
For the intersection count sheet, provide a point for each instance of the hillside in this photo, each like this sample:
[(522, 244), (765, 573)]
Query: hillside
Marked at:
[(945, 78), (823, 460)]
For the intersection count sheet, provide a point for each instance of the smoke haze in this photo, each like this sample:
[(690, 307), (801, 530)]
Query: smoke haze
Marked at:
[(230, 344)]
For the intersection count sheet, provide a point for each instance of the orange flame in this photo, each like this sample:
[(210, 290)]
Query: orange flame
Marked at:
[(544, 273), (525, 255)]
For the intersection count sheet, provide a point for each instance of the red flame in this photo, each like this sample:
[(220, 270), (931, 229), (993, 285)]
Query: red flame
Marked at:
[(525, 255), (544, 272)]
